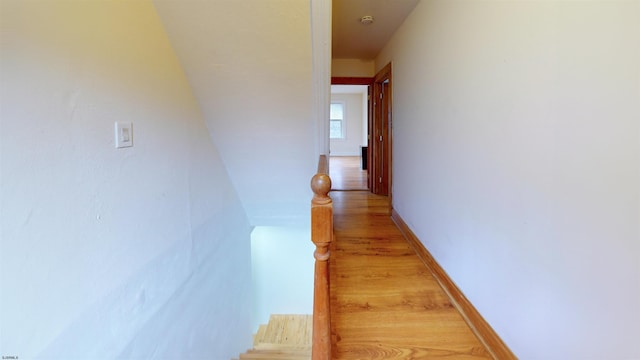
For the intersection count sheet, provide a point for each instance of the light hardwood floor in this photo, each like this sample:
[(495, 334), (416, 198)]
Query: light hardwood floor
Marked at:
[(346, 173), (385, 303)]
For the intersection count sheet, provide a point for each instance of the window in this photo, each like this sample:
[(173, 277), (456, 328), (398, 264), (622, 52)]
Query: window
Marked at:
[(336, 120)]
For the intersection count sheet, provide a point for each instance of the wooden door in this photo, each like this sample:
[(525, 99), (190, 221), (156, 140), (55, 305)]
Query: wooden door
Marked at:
[(380, 179)]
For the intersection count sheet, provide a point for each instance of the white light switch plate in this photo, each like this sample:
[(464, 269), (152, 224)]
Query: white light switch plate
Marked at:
[(124, 134)]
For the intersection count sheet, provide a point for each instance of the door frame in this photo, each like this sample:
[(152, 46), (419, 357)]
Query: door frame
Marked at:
[(382, 124), (335, 80)]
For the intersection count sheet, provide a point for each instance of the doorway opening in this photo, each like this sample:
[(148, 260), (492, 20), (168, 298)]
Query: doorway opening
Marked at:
[(348, 143), (376, 149)]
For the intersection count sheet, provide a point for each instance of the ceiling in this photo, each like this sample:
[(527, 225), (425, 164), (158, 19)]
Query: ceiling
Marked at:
[(353, 40)]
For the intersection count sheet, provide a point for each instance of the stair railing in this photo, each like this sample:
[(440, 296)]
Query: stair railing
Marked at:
[(321, 235)]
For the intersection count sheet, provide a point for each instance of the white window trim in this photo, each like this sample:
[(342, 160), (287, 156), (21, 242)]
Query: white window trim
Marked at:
[(343, 120)]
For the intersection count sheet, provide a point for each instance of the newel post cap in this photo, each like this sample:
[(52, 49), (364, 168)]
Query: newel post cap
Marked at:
[(321, 185)]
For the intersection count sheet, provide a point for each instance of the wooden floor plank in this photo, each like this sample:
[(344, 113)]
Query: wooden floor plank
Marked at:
[(385, 303), (346, 173)]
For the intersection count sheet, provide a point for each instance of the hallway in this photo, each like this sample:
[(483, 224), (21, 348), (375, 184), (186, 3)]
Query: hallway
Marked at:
[(385, 303)]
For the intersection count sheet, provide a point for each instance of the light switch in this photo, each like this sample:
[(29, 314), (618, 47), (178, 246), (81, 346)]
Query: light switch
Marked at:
[(124, 134)]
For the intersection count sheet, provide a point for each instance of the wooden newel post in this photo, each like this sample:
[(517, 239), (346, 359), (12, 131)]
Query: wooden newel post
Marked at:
[(321, 235)]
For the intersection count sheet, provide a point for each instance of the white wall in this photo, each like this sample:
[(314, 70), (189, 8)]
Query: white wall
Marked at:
[(249, 64), (517, 162), (353, 124), (140, 252), (282, 266)]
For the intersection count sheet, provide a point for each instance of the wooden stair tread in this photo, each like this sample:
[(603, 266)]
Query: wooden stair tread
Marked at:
[(285, 337), (283, 347), (260, 335), (290, 330), (276, 355)]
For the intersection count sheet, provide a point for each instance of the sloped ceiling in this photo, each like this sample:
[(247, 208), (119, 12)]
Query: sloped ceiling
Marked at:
[(249, 65)]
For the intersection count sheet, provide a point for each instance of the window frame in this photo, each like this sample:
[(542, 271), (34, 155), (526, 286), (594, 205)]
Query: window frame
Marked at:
[(343, 130)]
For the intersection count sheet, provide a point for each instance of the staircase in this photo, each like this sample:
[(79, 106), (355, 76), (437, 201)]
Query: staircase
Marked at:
[(285, 337)]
